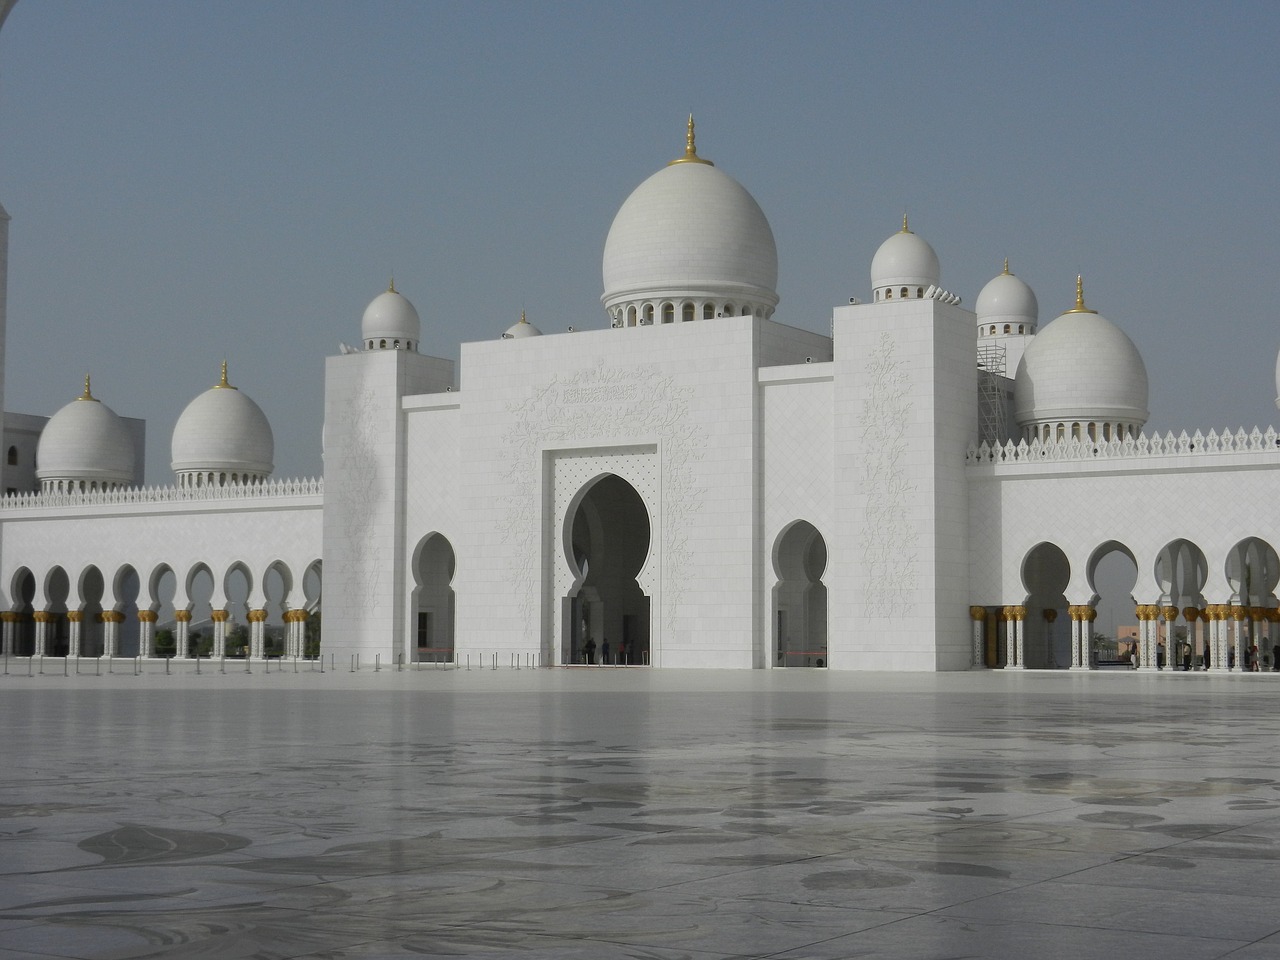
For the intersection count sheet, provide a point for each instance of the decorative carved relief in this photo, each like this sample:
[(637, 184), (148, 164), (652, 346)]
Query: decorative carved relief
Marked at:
[(601, 407), (890, 541)]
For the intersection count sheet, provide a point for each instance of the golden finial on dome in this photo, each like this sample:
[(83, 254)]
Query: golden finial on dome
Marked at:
[(905, 228), (1080, 307), (88, 394), (1006, 267), (223, 384), (522, 319), (690, 149), (391, 287)]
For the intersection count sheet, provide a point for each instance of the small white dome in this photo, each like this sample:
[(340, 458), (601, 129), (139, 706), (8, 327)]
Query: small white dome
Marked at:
[(906, 260), (390, 319), (691, 232), (85, 441), (521, 329), (1007, 299), (223, 432), (1081, 368)]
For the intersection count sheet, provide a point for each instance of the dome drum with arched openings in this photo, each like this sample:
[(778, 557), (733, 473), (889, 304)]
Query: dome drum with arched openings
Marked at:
[(905, 267), (1006, 299), (85, 447), (689, 243), (390, 322), (222, 438)]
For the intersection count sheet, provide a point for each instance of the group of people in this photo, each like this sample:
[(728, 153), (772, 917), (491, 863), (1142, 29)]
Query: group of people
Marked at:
[(1253, 661), (606, 654)]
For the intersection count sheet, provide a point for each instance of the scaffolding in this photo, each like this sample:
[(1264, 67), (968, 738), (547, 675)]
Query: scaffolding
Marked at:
[(992, 409)]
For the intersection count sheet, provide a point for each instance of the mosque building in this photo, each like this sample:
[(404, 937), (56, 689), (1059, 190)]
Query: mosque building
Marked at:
[(690, 484)]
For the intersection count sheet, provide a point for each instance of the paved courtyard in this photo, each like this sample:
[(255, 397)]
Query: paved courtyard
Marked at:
[(601, 813)]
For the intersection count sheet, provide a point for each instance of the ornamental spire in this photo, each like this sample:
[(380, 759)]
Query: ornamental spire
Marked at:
[(223, 384), (690, 149), (1006, 267), (1080, 307), (905, 228), (391, 287), (88, 394)]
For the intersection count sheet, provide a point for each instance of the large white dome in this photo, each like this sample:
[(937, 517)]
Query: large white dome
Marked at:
[(1007, 299), (390, 322), (690, 232), (905, 260), (1081, 368), (85, 443), (222, 434)]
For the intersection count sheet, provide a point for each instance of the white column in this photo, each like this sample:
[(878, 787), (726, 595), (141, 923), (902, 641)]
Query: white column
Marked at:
[(110, 632), (147, 632), (257, 634), (219, 633), (76, 620), (43, 620), (978, 618), (181, 631)]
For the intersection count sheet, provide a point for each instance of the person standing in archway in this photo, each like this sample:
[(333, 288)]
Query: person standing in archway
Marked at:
[(604, 652), (591, 650)]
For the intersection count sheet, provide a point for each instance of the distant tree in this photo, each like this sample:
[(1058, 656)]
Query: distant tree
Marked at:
[(311, 637), (238, 641), (201, 646), (166, 643)]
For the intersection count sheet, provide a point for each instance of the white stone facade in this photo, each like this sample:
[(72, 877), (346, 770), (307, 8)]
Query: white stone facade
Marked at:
[(686, 486)]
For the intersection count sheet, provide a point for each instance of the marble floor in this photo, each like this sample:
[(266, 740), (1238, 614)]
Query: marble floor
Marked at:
[(599, 813)]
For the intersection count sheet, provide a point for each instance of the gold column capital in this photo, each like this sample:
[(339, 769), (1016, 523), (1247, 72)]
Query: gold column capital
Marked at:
[(10, 616), (1170, 613), (182, 616), (975, 613), (148, 616), (44, 616), (257, 616), (219, 616), (75, 616)]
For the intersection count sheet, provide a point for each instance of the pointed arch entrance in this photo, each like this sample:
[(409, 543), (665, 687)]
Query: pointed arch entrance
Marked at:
[(433, 571), (800, 597), (606, 543)]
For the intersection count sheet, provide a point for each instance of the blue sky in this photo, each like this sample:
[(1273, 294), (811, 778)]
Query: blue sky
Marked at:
[(190, 182)]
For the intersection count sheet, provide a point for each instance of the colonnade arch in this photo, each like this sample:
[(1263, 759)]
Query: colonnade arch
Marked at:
[(1178, 605), (187, 612), (1046, 572), (800, 597)]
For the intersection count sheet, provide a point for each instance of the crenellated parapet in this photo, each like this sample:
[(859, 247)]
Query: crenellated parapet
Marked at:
[(1142, 447), (265, 490)]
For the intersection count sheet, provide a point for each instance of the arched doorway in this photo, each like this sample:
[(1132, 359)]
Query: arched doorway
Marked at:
[(1046, 629), (1113, 576), (800, 597), (433, 625), (606, 615), (23, 593)]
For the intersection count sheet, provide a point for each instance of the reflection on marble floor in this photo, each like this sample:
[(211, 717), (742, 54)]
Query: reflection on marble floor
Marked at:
[(631, 813)]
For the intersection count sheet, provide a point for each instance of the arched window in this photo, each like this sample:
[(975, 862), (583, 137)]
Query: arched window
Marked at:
[(13, 456), (631, 316), (888, 294), (1106, 431), (1062, 431), (1007, 328), (382, 344), (648, 313), (708, 311), (919, 292), (1075, 431), (1020, 330), (1093, 431), (728, 309), (904, 293), (686, 312), (668, 313), (746, 311), (1045, 438)]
